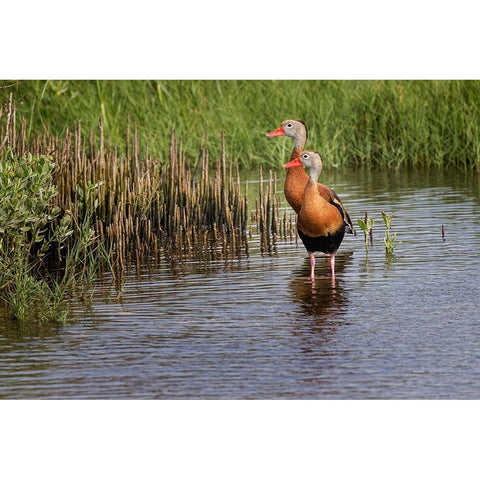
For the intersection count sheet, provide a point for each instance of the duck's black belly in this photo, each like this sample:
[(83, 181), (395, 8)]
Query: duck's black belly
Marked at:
[(326, 244)]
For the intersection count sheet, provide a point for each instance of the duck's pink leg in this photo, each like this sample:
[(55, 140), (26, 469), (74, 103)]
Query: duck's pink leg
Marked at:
[(332, 265), (312, 264)]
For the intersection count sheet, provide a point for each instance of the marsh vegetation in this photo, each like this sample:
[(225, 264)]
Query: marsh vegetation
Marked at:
[(73, 205)]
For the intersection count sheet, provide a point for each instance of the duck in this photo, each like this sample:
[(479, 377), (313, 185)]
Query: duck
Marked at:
[(320, 222), (297, 178)]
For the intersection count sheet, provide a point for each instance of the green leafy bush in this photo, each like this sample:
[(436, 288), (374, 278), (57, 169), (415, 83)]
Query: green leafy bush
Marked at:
[(30, 229)]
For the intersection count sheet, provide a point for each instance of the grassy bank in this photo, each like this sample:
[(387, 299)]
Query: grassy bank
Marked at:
[(384, 123)]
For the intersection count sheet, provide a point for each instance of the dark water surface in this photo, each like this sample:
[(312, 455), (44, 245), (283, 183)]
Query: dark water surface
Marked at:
[(254, 328)]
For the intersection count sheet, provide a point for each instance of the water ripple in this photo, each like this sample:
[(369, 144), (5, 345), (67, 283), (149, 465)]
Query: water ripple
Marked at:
[(401, 326)]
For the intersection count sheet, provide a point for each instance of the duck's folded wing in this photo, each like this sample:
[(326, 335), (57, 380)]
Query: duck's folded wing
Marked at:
[(335, 201)]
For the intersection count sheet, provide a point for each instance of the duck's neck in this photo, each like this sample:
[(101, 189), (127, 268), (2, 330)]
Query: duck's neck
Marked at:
[(311, 188), (311, 185), (296, 177), (312, 201), (314, 174), (299, 144), (294, 189)]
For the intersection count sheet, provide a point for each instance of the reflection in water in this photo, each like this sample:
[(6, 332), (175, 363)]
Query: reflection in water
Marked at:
[(323, 298), (322, 303)]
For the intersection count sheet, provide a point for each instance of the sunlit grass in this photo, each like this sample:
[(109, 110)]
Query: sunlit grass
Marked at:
[(386, 123)]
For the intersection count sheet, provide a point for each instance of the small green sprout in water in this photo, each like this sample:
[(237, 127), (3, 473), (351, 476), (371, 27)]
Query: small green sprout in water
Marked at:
[(389, 239), (367, 227)]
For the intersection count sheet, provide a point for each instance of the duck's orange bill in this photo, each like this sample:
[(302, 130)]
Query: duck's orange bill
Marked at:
[(276, 133), (294, 163)]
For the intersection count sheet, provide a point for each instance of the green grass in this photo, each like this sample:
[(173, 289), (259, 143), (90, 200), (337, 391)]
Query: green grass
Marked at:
[(383, 123)]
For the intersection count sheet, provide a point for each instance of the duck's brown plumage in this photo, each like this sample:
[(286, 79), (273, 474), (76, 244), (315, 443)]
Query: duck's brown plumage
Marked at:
[(317, 216), (320, 222), (296, 178)]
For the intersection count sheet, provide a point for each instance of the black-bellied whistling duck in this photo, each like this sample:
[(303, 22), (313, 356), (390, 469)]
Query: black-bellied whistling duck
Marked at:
[(296, 178), (320, 222)]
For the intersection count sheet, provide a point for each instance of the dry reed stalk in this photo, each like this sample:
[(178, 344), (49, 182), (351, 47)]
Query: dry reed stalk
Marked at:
[(137, 204)]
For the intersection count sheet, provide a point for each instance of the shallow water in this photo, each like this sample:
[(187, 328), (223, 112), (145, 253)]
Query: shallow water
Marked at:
[(257, 327)]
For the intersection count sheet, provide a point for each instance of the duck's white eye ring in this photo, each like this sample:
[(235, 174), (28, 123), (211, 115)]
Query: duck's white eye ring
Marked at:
[(289, 125), (305, 156)]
